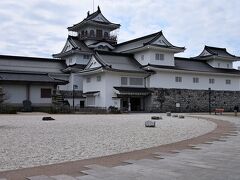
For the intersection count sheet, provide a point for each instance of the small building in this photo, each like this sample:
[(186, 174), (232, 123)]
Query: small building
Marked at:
[(30, 78)]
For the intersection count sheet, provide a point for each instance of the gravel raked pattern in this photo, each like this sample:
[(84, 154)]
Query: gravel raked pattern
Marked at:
[(27, 141)]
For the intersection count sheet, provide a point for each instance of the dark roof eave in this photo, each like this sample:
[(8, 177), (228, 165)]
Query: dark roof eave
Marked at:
[(181, 69), (76, 27), (28, 58), (26, 82), (144, 46), (60, 55), (210, 57)]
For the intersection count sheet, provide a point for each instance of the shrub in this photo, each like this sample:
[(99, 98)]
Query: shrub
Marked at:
[(113, 110)]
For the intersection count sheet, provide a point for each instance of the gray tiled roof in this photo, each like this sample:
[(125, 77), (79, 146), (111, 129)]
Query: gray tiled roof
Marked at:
[(195, 65), (218, 51), (144, 41), (25, 77), (119, 61), (136, 43), (78, 47), (10, 57), (78, 44), (90, 18)]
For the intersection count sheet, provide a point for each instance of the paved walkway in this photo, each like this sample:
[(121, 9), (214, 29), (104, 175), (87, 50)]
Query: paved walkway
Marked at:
[(217, 160)]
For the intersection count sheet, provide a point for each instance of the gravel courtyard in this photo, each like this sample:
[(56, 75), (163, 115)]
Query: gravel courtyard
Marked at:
[(27, 141)]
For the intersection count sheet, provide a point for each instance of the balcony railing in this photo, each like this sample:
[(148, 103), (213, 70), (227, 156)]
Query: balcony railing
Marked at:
[(94, 37)]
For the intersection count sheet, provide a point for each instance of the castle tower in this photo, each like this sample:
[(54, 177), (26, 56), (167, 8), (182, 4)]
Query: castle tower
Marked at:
[(95, 28)]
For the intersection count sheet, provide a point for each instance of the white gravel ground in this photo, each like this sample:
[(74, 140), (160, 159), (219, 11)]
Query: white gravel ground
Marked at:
[(27, 141)]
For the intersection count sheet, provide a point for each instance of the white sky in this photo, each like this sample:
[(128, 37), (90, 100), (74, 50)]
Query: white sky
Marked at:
[(38, 27)]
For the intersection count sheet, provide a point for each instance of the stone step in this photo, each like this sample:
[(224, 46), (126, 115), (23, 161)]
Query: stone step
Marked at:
[(88, 177), (42, 177), (63, 177)]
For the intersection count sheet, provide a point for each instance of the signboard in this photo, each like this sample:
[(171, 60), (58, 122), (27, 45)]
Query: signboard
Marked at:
[(178, 105)]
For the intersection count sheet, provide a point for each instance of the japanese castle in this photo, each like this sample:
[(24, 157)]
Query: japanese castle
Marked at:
[(142, 74)]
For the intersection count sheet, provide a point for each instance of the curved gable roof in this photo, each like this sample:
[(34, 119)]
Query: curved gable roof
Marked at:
[(144, 41)]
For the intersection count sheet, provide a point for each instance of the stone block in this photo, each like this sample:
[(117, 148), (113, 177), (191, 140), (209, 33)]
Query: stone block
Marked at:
[(156, 117), (150, 124)]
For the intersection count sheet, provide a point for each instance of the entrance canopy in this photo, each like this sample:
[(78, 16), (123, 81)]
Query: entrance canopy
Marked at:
[(91, 93), (132, 91)]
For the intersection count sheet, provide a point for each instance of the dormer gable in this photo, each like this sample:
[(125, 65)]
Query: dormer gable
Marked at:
[(73, 46), (152, 41), (93, 63), (217, 57)]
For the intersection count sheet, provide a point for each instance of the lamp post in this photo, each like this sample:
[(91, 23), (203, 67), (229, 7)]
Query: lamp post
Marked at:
[(73, 96), (209, 100)]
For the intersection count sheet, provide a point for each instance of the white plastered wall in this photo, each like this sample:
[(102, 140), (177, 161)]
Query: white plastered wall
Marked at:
[(164, 79)]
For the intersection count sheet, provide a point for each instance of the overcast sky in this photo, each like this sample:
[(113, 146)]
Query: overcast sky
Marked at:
[(38, 27)]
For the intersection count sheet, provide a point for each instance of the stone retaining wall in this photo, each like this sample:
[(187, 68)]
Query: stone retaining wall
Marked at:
[(163, 100)]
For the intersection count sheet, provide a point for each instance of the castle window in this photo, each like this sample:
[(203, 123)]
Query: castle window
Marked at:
[(124, 80), (178, 79), (228, 81), (99, 33), (136, 81), (219, 65), (92, 34), (195, 80), (159, 57), (228, 65), (86, 33), (211, 81)]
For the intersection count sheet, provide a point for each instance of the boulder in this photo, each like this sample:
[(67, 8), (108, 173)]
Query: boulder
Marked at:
[(150, 124), (48, 119), (175, 115), (181, 117), (168, 113), (156, 117)]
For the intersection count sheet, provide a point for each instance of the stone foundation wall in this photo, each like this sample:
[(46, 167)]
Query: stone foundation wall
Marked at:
[(163, 100)]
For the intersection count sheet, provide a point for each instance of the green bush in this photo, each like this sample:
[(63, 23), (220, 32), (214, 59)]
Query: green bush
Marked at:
[(114, 110)]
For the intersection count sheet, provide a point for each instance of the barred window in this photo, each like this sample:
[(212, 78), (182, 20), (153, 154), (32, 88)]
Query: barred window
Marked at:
[(178, 79), (159, 56), (124, 81), (136, 81), (46, 93), (195, 80), (211, 81), (228, 81)]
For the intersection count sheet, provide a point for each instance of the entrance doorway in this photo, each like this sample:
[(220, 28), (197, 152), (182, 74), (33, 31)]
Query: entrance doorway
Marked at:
[(82, 104), (135, 104)]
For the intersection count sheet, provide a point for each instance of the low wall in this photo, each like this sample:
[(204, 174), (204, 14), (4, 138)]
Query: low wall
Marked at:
[(163, 100)]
